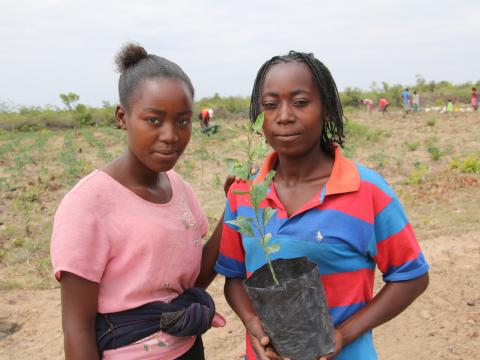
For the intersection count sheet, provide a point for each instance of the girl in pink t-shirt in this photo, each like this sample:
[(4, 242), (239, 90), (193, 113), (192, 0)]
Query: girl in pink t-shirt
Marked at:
[(130, 233)]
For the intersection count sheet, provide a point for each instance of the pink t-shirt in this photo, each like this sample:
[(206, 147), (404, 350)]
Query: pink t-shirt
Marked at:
[(136, 250)]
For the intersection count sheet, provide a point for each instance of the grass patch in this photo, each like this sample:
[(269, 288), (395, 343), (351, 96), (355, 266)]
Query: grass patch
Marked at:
[(431, 121), (412, 146), (434, 152), (469, 165), (417, 175)]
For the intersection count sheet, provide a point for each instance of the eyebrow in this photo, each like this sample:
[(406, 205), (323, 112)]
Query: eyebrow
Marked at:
[(294, 93), (162, 112)]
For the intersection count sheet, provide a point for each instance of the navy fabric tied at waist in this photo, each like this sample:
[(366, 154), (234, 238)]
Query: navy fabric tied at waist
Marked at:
[(191, 313)]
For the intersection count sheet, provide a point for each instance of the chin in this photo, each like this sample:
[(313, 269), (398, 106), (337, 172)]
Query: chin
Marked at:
[(162, 167)]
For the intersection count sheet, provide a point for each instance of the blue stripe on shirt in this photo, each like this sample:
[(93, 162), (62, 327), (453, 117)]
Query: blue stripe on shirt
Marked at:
[(230, 268), (407, 271), (390, 220)]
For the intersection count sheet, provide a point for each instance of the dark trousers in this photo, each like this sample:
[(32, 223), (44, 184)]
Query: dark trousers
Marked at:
[(195, 352)]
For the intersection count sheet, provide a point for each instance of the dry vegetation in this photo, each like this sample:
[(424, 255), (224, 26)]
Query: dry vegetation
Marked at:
[(431, 160)]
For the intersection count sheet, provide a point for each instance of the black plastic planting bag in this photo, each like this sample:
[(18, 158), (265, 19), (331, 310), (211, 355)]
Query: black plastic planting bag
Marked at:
[(294, 313)]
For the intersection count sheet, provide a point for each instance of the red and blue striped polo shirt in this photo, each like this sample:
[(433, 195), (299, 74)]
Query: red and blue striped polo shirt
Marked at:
[(352, 225)]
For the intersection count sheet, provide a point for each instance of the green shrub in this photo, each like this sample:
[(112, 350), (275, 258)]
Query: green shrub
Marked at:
[(412, 146), (434, 152), (417, 175), (431, 121), (470, 165)]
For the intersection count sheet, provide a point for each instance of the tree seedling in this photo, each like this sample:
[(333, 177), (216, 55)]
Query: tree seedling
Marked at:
[(255, 227)]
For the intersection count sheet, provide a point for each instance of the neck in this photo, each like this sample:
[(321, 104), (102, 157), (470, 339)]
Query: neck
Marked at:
[(309, 167), (135, 173)]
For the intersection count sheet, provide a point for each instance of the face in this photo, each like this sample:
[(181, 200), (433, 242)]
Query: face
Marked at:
[(158, 122), (294, 115)]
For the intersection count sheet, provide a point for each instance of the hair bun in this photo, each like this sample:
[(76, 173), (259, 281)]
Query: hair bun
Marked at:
[(129, 55)]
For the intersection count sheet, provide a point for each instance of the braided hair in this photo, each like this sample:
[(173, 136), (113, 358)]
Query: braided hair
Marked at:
[(135, 65), (333, 126)]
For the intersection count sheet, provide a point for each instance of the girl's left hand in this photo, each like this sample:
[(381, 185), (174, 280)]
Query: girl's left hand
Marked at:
[(338, 345), (228, 182)]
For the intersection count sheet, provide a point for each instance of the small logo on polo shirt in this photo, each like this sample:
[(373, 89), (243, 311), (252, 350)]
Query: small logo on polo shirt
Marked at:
[(319, 236)]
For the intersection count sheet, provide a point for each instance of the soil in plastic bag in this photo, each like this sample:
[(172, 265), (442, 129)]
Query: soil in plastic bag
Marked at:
[(294, 313)]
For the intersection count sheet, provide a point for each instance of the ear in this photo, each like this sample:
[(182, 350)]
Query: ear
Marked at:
[(121, 117)]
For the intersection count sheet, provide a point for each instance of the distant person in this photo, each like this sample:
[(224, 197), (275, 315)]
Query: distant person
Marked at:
[(474, 99), (415, 101), (383, 105), (449, 106), (205, 116), (368, 105), (406, 100)]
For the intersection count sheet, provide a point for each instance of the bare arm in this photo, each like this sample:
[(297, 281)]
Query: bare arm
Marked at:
[(79, 309), (239, 301), (392, 299), (212, 247), (209, 257)]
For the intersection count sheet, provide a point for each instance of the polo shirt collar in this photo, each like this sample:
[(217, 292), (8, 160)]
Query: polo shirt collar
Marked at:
[(344, 178)]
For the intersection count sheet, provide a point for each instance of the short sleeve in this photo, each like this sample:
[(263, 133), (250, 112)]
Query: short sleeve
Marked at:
[(397, 252), (231, 258), (79, 244)]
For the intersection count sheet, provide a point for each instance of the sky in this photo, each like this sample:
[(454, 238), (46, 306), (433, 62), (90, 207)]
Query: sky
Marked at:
[(50, 47)]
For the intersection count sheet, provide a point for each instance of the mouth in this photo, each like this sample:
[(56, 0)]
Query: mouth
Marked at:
[(165, 153), (287, 137)]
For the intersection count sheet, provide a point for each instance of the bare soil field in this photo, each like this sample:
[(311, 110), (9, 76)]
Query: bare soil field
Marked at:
[(431, 160)]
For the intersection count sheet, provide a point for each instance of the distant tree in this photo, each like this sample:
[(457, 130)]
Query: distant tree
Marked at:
[(385, 86), (420, 83), (69, 100), (351, 97)]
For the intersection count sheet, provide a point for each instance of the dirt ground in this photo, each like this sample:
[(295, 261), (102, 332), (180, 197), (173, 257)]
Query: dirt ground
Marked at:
[(444, 323)]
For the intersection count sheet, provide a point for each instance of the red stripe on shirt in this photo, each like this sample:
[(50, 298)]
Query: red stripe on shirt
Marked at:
[(397, 249), (343, 289), (231, 244), (352, 204)]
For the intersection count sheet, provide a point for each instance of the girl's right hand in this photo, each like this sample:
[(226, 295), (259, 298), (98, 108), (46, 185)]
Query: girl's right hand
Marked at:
[(260, 341)]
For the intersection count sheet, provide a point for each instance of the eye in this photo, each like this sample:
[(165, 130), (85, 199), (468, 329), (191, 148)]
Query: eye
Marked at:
[(300, 102), (153, 120), (183, 122), (268, 105)]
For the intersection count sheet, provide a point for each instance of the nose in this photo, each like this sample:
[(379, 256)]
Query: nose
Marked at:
[(168, 132), (285, 114)]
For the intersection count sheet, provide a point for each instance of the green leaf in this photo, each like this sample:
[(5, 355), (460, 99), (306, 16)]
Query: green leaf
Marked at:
[(257, 194), (245, 219), (239, 220), (231, 164), (259, 122), (240, 192), (267, 215), (273, 248), (236, 168), (260, 149), (269, 178), (244, 225), (233, 222), (246, 229), (266, 239)]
